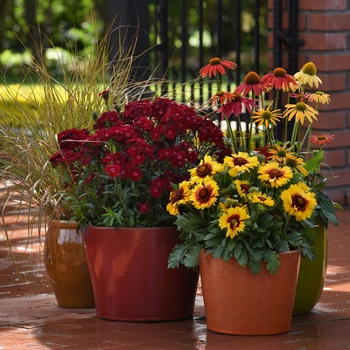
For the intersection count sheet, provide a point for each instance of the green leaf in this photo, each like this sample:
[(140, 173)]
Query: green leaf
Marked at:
[(313, 164), (272, 263)]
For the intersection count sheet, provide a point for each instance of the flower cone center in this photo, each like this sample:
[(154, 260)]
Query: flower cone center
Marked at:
[(215, 61), (280, 72), (309, 68), (252, 78)]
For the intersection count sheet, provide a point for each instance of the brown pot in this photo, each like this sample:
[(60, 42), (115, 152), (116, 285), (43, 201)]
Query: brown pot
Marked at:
[(238, 302), (130, 278), (66, 265)]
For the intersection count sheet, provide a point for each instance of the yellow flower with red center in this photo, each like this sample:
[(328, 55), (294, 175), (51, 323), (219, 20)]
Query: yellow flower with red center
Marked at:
[(274, 175), (307, 75), (216, 66), (242, 187), (233, 220), (280, 154), (206, 168), (259, 197), (297, 164), (300, 111), (299, 201), (178, 197), (204, 195), (240, 162)]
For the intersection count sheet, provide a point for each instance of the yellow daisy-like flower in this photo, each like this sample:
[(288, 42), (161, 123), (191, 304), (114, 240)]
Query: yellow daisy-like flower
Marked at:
[(204, 195), (266, 117), (298, 201), (242, 187), (233, 220), (274, 175), (297, 164), (307, 75), (206, 168), (280, 154), (178, 197), (320, 97), (259, 197), (240, 162), (300, 111)]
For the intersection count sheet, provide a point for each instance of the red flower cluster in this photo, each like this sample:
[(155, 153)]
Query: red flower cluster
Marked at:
[(141, 151)]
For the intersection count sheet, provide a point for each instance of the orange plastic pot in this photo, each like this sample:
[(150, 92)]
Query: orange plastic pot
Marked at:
[(312, 274), (130, 278), (238, 302), (66, 266)]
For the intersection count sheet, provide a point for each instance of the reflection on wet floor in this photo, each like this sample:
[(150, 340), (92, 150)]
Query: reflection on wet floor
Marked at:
[(31, 319)]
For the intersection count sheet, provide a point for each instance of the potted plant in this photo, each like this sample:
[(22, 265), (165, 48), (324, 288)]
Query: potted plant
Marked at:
[(122, 171), (242, 219), (32, 113)]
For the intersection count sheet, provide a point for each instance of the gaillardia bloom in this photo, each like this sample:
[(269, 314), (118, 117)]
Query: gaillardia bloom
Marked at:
[(280, 80), (299, 201), (204, 195), (322, 139), (274, 175), (259, 197), (216, 66), (206, 168), (266, 117), (307, 75), (177, 197), (300, 111), (233, 220), (240, 162)]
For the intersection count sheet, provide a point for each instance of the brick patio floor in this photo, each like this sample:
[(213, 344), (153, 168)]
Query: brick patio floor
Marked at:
[(31, 319)]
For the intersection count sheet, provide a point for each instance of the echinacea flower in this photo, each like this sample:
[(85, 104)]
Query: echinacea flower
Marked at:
[(299, 201), (320, 97), (240, 162), (301, 96), (300, 111), (216, 66), (235, 106), (252, 82), (221, 97), (233, 220), (307, 75), (280, 80), (274, 175), (266, 117), (178, 197), (204, 195), (206, 168), (321, 139)]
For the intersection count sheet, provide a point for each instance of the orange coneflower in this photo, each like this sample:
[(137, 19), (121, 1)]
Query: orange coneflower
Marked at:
[(322, 139), (280, 80), (216, 66)]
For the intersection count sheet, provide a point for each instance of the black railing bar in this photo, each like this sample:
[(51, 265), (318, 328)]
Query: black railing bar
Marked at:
[(238, 40), (257, 37), (201, 49)]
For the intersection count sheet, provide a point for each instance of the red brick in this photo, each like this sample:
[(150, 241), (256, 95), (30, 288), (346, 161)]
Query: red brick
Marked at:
[(332, 82), (335, 158), (331, 62), (324, 42), (327, 22), (341, 177), (328, 121), (322, 5)]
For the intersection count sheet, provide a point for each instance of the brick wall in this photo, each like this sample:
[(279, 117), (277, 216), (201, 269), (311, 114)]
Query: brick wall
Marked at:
[(324, 25)]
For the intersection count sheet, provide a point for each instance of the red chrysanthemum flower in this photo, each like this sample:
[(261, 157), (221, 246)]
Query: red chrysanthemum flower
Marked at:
[(216, 66)]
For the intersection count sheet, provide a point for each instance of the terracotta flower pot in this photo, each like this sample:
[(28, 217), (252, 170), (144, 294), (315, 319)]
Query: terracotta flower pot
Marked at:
[(66, 265), (312, 274), (130, 278), (238, 302)]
